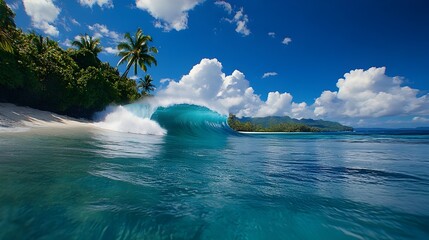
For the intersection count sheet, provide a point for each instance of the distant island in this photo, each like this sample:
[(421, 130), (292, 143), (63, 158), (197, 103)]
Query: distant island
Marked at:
[(284, 124)]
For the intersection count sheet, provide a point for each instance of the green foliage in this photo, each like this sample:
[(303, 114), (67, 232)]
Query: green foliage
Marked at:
[(136, 51), (84, 58), (284, 124), (88, 43), (87, 50), (321, 125), (7, 25), (127, 90), (237, 125), (17, 77), (38, 73), (145, 85), (94, 90), (55, 70), (11, 77), (41, 43)]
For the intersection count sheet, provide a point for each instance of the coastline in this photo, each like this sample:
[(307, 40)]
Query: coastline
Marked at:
[(15, 118)]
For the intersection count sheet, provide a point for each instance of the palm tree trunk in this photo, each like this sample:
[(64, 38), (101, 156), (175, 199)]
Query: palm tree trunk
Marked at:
[(126, 72)]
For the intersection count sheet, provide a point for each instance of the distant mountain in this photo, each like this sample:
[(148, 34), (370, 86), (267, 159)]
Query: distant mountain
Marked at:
[(284, 124)]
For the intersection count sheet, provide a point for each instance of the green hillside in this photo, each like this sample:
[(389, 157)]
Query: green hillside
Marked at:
[(284, 124)]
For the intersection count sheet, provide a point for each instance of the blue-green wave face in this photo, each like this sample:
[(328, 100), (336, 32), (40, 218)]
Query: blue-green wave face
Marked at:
[(191, 120), (151, 119)]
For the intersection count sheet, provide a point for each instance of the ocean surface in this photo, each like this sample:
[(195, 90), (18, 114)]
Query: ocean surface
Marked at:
[(197, 179)]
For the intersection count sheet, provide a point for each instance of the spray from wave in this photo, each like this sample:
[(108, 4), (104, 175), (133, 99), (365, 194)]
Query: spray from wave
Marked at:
[(133, 118)]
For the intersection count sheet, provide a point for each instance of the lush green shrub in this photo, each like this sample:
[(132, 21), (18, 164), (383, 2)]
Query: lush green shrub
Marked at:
[(36, 72)]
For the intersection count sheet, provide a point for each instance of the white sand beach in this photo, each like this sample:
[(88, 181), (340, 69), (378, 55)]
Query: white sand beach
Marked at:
[(17, 117)]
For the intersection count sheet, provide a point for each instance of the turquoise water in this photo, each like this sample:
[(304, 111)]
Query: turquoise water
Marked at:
[(202, 181)]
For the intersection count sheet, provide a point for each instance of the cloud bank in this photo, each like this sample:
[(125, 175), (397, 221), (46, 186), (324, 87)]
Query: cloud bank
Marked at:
[(100, 3), (361, 94), (370, 93), (43, 14), (207, 85), (169, 14)]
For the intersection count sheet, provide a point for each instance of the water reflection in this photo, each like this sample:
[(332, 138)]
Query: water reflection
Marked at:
[(111, 144)]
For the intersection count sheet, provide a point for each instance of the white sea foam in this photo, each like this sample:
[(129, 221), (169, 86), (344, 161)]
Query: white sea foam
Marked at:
[(133, 118)]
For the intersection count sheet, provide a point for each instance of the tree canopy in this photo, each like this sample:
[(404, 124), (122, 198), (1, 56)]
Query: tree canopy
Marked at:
[(145, 85), (89, 43), (6, 24), (35, 71)]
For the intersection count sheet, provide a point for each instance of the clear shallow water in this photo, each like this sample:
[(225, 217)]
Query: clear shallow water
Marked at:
[(96, 184)]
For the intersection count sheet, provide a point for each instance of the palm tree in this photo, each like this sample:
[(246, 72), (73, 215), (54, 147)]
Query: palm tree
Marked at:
[(6, 24), (89, 43), (135, 51), (146, 85), (41, 43)]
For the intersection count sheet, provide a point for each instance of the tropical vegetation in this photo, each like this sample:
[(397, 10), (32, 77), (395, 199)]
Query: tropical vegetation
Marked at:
[(284, 124), (136, 51), (145, 86), (6, 22), (35, 71)]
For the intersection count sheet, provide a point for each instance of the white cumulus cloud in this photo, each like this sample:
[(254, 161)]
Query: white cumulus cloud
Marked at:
[(226, 6), (77, 37), (272, 34), (170, 14), (370, 93), (111, 50), (269, 74), (241, 20), (165, 80), (287, 40), (100, 3), (101, 31), (207, 85), (43, 14), (67, 43)]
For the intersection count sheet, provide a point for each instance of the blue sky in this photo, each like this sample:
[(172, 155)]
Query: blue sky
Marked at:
[(302, 47)]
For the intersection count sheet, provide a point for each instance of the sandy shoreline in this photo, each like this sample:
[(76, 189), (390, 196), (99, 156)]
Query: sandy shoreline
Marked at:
[(17, 117)]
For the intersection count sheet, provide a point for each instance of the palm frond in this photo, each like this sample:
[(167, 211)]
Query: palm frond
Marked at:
[(124, 46), (135, 51)]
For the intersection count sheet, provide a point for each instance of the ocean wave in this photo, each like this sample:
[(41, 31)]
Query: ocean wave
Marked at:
[(177, 119)]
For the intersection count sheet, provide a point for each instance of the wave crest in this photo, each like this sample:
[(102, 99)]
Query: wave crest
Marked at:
[(129, 119), (177, 119)]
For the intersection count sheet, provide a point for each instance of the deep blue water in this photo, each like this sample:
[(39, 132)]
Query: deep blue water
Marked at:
[(202, 181)]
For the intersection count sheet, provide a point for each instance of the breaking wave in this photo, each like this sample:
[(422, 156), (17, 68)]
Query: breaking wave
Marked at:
[(177, 119)]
